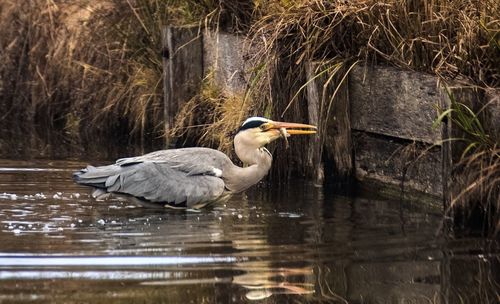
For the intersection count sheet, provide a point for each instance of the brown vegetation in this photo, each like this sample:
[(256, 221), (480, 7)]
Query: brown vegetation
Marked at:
[(210, 117), (94, 68), (65, 67)]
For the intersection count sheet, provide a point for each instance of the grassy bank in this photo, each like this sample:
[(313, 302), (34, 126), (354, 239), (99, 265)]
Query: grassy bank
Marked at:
[(95, 69), (68, 68), (85, 71)]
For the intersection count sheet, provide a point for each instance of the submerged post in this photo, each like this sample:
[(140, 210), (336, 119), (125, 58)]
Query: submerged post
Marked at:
[(182, 53)]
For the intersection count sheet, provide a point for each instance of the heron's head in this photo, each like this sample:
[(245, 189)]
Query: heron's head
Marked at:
[(257, 132)]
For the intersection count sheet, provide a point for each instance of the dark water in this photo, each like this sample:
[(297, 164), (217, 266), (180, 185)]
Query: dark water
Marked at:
[(299, 244)]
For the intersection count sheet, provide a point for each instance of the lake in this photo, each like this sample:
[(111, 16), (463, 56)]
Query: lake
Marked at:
[(295, 243)]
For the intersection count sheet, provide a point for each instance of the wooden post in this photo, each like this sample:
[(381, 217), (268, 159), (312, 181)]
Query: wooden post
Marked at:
[(182, 71), (338, 142), (314, 102), (331, 113)]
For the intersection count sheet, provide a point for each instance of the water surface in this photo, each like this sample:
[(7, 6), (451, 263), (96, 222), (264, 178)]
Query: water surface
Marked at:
[(297, 244)]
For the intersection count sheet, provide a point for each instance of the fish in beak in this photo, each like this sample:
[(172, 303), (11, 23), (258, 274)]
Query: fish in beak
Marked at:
[(286, 129), (292, 128)]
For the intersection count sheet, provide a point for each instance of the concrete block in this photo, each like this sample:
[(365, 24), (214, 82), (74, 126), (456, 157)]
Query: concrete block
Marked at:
[(399, 162), (395, 102), (224, 56)]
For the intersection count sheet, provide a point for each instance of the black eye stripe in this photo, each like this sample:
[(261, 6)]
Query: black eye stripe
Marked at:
[(252, 124)]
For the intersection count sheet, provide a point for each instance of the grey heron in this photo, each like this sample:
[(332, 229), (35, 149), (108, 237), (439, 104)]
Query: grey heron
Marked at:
[(192, 177)]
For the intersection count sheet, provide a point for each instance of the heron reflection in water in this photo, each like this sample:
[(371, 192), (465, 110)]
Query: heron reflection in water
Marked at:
[(192, 177)]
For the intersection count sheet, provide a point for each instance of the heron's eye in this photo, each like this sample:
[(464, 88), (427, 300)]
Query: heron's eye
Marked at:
[(263, 127)]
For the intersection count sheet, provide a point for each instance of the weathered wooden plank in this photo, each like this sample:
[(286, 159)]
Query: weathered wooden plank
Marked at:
[(167, 82), (446, 154), (395, 102), (182, 70), (293, 161)]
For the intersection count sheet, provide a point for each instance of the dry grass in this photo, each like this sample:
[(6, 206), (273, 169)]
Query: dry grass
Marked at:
[(97, 66), (452, 39), (448, 38), (477, 186), (92, 70), (74, 72), (476, 176), (88, 70), (210, 118)]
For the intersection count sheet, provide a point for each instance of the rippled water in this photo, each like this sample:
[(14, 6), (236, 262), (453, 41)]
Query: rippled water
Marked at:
[(298, 244)]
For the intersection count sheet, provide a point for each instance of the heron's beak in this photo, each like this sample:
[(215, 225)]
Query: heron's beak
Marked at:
[(292, 128)]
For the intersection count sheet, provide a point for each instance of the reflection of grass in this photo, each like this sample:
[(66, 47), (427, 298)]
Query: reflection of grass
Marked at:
[(326, 284), (266, 281), (477, 184)]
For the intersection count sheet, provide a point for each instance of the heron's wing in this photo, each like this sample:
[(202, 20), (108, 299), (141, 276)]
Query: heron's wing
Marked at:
[(190, 175), (160, 183), (194, 161)]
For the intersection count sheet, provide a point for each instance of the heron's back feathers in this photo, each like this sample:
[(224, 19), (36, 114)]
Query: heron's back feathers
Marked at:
[(180, 177)]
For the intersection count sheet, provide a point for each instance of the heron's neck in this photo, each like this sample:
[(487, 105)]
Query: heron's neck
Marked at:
[(253, 155), (258, 162)]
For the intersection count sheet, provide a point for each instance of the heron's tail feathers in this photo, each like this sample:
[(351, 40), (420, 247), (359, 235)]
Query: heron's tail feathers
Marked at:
[(99, 177)]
